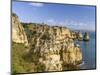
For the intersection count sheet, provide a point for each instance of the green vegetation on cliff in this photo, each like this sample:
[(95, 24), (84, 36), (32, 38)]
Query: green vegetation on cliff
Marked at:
[(19, 63)]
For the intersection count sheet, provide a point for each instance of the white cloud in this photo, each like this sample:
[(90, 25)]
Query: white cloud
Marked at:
[(69, 23), (75, 23), (50, 20), (80, 25), (53, 22), (37, 4), (72, 24)]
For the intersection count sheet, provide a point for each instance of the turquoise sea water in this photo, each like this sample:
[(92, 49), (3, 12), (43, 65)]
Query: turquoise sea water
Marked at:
[(89, 52)]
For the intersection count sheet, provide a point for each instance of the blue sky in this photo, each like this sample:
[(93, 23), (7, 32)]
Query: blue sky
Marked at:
[(71, 16)]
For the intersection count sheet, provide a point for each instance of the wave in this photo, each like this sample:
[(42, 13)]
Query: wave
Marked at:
[(81, 63)]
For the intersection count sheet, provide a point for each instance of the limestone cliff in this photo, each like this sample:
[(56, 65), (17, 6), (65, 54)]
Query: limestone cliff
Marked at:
[(18, 33), (51, 48)]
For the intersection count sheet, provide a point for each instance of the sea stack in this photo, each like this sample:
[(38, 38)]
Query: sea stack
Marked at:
[(80, 36), (86, 37)]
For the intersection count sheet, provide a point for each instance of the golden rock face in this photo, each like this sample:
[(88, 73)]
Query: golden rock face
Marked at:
[(58, 50), (18, 33)]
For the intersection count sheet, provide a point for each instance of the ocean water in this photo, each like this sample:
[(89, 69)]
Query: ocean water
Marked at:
[(89, 52)]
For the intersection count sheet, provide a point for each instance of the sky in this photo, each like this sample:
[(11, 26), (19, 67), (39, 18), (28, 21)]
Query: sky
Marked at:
[(77, 17)]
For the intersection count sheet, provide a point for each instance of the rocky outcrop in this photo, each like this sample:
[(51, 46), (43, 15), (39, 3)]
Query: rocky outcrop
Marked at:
[(72, 55), (86, 36), (18, 33), (79, 36)]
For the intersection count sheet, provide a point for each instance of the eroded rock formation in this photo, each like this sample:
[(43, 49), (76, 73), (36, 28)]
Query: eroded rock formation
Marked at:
[(54, 47), (18, 33), (86, 36)]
